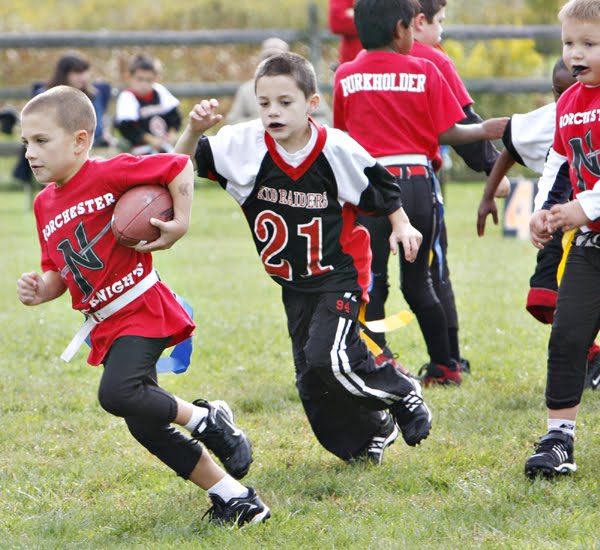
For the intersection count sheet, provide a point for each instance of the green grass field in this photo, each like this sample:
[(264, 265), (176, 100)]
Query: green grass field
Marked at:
[(72, 477)]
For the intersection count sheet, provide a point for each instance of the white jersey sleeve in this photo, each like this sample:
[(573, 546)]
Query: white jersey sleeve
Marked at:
[(553, 164), (532, 135)]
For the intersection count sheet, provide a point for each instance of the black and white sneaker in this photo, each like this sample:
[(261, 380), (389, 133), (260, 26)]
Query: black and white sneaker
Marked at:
[(238, 511), (412, 415), (380, 442), (220, 435), (553, 456)]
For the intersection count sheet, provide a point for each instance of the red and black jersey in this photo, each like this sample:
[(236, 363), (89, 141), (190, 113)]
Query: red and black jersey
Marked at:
[(441, 60), (302, 218), (577, 137), (155, 113), (394, 104), (73, 222)]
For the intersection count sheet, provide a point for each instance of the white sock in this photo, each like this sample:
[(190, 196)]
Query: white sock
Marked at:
[(561, 425), (198, 415), (228, 488)]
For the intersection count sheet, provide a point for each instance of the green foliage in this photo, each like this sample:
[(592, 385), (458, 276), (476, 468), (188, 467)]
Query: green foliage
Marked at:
[(160, 14), (496, 58), (72, 477)]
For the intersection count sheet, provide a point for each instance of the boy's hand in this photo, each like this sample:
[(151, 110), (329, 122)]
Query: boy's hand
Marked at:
[(409, 237), (204, 116), (567, 216), (494, 127), (486, 206), (540, 229), (31, 289), (170, 233)]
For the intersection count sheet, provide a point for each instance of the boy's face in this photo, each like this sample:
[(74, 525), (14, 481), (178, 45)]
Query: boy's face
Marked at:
[(141, 81), (284, 110), (581, 49), (53, 154), (79, 80), (430, 33)]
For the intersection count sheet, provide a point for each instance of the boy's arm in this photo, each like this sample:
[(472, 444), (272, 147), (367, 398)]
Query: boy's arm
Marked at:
[(181, 188), (481, 155), (488, 204), (34, 289), (492, 128), (403, 232)]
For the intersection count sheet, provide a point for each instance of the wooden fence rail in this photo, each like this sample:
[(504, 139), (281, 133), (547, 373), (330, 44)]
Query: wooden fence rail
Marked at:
[(314, 36)]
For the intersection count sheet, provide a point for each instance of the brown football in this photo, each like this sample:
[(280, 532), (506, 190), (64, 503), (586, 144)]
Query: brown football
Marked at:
[(131, 218)]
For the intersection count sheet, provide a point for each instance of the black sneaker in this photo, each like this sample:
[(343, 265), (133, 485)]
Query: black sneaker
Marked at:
[(238, 511), (592, 379), (553, 456), (379, 443), (220, 435), (412, 415)]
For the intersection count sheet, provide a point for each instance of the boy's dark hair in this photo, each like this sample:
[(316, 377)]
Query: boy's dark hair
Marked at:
[(143, 62), (430, 7), (580, 10), (376, 20), (290, 64), (71, 109), (67, 64)]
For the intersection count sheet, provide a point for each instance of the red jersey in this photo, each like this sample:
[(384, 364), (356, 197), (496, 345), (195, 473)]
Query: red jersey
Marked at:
[(394, 104), (441, 60), (73, 222), (577, 135), (341, 21)]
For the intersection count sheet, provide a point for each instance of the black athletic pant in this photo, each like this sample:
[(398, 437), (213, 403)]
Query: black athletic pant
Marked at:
[(440, 277), (129, 389), (342, 391), (419, 203), (576, 324)]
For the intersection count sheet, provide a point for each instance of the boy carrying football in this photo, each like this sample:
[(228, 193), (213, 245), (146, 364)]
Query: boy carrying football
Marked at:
[(134, 325)]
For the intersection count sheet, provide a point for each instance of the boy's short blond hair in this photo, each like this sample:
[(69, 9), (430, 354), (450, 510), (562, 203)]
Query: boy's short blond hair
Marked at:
[(72, 109), (581, 10)]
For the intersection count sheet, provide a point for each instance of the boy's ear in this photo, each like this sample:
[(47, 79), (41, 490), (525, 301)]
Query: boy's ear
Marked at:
[(314, 101), (83, 141), (420, 22)]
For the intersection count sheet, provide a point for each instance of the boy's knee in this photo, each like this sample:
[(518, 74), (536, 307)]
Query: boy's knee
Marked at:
[(113, 401)]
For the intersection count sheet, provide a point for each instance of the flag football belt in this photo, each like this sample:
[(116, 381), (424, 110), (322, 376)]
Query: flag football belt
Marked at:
[(588, 239), (104, 313), (407, 172)]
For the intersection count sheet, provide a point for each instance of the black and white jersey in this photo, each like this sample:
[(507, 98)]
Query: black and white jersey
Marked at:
[(302, 218), (155, 114)]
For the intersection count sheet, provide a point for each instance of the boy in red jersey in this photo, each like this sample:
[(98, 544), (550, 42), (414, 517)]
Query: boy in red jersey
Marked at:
[(480, 156), (134, 315), (576, 318), (300, 186), (341, 21), (411, 106)]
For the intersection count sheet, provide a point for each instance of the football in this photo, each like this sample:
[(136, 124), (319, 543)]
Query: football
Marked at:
[(131, 217)]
